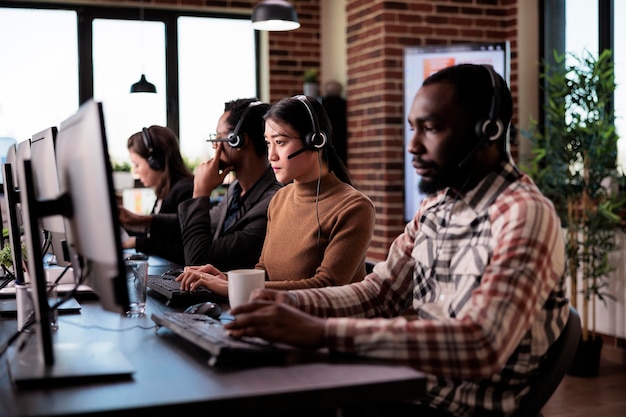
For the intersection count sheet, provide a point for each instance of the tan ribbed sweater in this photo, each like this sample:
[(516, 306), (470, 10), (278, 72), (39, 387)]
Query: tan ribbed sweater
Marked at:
[(291, 254)]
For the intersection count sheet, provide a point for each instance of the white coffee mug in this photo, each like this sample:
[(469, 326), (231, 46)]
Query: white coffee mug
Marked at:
[(241, 283)]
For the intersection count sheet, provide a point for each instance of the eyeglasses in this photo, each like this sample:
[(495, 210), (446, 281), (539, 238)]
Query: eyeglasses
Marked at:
[(218, 135)]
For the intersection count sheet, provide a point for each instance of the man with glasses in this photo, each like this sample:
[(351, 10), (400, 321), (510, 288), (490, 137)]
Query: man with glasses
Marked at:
[(230, 234)]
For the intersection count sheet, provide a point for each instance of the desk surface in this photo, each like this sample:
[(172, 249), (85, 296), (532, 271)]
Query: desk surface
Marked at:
[(173, 376)]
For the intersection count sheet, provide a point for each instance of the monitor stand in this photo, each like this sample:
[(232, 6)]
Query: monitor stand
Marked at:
[(73, 363)]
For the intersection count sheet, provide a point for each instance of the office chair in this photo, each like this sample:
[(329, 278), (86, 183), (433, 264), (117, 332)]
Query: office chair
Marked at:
[(559, 357)]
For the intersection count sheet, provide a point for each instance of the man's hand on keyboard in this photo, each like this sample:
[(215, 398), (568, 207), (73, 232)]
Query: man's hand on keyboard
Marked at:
[(277, 322), (204, 276)]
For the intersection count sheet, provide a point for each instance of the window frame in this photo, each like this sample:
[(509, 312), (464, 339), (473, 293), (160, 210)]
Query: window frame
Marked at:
[(169, 16)]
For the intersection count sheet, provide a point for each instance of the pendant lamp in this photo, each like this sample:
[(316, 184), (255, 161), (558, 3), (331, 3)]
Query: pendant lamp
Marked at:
[(143, 86), (275, 15)]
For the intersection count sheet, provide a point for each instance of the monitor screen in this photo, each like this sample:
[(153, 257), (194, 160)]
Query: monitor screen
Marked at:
[(46, 182), (87, 203), (16, 154), (92, 228), (11, 198), (6, 144), (422, 61)]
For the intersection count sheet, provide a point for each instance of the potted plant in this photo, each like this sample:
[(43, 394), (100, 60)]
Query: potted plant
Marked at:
[(6, 259), (122, 175), (311, 86), (575, 164)]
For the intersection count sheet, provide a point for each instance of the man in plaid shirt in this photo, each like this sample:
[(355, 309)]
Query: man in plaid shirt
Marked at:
[(472, 293)]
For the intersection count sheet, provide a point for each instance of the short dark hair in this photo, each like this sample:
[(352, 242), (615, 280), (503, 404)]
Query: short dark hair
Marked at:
[(253, 125), (474, 91)]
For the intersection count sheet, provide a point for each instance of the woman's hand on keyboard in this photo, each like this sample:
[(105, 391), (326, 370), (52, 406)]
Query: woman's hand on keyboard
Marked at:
[(277, 322), (206, 276)]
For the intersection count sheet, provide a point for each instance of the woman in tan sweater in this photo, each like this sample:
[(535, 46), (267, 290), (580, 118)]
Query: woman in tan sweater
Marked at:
[(319, 226)]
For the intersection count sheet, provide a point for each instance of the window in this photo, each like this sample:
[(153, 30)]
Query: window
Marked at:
[(583, 29), (620, 78), (49, 67), (216, 63), (38, 71), (122, 51)]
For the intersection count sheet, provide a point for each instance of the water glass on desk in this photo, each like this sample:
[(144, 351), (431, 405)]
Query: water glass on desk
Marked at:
[(137, 284)]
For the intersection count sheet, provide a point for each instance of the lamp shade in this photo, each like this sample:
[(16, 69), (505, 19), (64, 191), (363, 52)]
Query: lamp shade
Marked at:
[(143, 86), (274, 15)]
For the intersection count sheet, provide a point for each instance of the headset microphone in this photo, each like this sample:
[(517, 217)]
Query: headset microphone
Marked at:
[(467, 157), (298, 152), (218, 140)]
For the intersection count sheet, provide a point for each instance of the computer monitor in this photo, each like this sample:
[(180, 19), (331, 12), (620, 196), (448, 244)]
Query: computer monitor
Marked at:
[(87, 202), (46, 182), (16, 155), (6, 143)]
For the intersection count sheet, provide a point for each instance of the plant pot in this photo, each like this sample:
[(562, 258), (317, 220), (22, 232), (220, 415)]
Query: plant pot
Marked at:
[(311, 89), (586, 363), (123, 180)]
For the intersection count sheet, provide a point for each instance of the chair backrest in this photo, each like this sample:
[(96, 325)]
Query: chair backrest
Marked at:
[(551, 373)]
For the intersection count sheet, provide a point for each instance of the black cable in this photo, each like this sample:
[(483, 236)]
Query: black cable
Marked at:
[(27, 324)]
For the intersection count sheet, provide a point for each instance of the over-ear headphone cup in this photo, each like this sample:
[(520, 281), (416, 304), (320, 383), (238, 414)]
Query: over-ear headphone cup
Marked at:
[(316, 140), (235, 141), (155, 163), (489, 129)]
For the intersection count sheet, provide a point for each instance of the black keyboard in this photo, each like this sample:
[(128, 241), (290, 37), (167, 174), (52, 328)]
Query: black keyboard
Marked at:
[(208, 334), (166, 286)]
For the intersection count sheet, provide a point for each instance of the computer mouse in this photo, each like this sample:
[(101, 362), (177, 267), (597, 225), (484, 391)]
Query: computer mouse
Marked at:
[(138, 257), (208, 309)]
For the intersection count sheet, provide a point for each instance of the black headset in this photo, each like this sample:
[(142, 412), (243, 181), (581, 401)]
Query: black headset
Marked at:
[(234, 140), (491, 127), (155, 160), (316, 139), (488, 128)]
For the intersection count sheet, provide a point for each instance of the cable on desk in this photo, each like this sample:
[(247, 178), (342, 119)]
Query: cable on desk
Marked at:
[(31, 318), (108, 329), (29, 322)]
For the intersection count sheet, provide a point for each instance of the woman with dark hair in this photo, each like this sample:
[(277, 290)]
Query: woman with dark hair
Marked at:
[(155, 158), (319, 226)]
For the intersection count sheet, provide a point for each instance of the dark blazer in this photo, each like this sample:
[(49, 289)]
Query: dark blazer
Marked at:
[(168, 246), (240, 245)]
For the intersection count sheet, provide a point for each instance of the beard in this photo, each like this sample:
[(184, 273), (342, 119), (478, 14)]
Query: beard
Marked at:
[(444, 178), (451, 175)]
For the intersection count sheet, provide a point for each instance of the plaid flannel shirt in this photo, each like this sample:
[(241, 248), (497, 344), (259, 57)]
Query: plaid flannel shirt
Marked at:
[(472, 293)]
